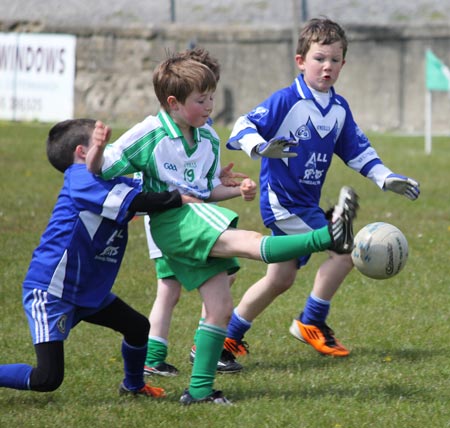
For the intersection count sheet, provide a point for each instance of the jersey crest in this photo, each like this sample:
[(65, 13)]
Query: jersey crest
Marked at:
[(303, 133)]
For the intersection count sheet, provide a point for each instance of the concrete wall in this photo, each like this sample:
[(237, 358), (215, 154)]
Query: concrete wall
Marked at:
[(383, 79)]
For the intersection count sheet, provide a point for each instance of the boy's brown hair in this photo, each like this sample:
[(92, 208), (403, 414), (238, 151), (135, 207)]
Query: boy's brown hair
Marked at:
[(179, 77), (202, 55), (323, 31)]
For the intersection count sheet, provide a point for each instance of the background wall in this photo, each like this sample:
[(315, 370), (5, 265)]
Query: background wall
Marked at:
[(383, 79)]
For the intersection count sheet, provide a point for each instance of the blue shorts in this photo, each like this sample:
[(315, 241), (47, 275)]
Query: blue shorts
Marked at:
[(50, 318)]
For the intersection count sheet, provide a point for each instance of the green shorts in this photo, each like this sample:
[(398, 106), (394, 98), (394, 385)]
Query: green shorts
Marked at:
[(185, 236)]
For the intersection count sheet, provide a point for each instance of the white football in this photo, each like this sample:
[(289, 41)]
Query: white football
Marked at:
[(380, 251)]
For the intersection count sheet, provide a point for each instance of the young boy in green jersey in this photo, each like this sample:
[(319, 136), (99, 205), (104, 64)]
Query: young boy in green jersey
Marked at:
[(177, 149), (169, 289)]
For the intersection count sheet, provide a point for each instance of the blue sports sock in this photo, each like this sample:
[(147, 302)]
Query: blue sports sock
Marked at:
[(315, 311), (16, 376), (133, 362), (237, 326)]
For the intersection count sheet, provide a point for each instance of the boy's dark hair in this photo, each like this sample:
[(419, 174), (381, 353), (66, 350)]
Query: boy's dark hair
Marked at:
[(64, 137), (323, 31)]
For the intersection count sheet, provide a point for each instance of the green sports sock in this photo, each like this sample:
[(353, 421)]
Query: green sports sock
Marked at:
[(200, 323), (156, 352), (275, 249), (209, 344)]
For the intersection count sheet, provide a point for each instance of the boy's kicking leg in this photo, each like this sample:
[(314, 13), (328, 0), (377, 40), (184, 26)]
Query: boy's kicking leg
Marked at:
[(337, 236)]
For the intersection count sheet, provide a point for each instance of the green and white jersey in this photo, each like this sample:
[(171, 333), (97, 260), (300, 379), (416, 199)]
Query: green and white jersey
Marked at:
[(156, 147)]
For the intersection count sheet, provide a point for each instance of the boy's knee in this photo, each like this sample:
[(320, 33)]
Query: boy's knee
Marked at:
[(280, 287), (43, 380), (172, 299), (145, 326), (343, 260), (282, 282), (137, 331)]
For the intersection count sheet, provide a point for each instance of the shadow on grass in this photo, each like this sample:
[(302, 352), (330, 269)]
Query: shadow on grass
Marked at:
[(389, 392), (374, 375)]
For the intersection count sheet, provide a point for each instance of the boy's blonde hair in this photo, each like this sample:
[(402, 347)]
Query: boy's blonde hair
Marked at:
[(179, 77), (323, 31)]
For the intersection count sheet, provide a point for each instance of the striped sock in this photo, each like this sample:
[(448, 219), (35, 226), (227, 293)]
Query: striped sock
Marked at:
[(315, 311), (238, 326), (209, 345)]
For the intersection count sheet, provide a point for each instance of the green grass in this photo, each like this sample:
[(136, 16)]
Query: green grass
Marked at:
[(396, 376)]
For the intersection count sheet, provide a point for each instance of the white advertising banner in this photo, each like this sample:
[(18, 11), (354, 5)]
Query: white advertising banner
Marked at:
[(37, 74)]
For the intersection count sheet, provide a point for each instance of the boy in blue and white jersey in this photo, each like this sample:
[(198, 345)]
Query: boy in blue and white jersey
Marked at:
[(77, 261), (296, 132), (177, 149)]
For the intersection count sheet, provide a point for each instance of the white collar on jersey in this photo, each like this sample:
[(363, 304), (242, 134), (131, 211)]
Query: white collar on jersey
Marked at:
[(322, 98)]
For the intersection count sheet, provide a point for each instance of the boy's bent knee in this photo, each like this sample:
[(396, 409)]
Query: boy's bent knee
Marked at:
[(42, 380), (344, 260), (281, 281), (136, 333), (280, 287)]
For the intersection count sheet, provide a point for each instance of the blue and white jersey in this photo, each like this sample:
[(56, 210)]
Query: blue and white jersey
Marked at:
[(292, 186), (81, 250)]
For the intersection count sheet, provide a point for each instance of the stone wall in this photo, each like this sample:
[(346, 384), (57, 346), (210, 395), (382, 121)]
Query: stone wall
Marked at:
[(383, 79)]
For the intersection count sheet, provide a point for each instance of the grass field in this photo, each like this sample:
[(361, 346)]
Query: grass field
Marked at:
[(398, 330)]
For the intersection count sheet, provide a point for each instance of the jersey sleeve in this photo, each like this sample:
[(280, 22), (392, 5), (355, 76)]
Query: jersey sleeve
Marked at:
[(262, 123), (148, 202), (355, 149), (132, 151), (108, 198), (245, 136)]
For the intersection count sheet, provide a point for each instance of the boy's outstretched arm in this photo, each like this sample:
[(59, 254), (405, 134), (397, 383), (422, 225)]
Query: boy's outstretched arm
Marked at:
[(386, 179), (402, 185), (150, 202), (277, 148), (100, 138), (231, 178), (247, 189), (245, 136)]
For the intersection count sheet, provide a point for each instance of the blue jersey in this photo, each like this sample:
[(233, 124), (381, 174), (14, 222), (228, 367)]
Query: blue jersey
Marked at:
[(292, 186), (81, 250)]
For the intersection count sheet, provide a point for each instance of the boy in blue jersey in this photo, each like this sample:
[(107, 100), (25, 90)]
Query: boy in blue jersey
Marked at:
[(178, 149), (296, 132), (76, 263)]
